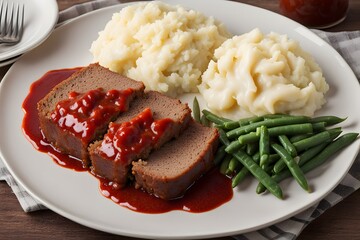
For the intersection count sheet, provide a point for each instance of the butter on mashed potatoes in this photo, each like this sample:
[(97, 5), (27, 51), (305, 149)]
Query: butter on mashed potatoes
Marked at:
[(256, 74), (166, 47)]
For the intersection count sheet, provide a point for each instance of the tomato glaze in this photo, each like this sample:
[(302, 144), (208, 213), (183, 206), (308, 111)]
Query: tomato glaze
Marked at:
[(82, 112), (209, 192), (125, 140)]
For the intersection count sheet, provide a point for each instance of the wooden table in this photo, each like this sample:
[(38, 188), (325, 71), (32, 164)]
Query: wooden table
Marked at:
[(340, 222)]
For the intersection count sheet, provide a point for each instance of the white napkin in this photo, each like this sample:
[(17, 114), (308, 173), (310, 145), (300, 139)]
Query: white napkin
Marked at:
[(346, 43)]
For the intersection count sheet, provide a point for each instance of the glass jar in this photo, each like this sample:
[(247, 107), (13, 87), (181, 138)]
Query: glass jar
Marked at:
[(315, 13)]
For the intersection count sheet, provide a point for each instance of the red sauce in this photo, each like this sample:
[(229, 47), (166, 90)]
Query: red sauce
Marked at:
[(211, 191), (315, 13), (31, 123), (82, 112), (124, 141)]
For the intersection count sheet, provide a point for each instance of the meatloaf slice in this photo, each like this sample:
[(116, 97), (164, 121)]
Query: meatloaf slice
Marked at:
[(172, 169), (78, 110), (115, 168)]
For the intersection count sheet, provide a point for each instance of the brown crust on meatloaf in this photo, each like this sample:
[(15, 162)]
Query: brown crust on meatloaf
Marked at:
[(170, 170), (162, 107), (89, 78)]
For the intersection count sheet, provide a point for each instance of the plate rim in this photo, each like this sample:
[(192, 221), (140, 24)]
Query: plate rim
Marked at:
[(89, 224)]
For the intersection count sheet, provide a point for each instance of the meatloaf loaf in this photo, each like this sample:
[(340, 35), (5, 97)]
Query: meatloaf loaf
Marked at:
[(107, 157), (170, 170), (78, 110)]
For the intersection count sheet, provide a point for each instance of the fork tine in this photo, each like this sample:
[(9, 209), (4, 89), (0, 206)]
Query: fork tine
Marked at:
[(4, 18), (19, 21), (10, 26), (22, 20), (1, 10), (11, 22), (1, 17), (15, 20)]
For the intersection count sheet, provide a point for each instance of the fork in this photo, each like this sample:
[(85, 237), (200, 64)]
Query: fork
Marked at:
[(11, 22)]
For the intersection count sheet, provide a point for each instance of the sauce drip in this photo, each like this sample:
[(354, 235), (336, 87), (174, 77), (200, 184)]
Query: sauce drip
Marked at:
[(124, 141), (31, 124), (82, 112), (209, 192)]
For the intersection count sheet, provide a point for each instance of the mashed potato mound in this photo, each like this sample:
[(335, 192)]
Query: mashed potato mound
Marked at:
[(256, 74), (166, 47)]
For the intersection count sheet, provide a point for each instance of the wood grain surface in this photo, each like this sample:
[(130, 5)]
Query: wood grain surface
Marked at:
[(340, 222)]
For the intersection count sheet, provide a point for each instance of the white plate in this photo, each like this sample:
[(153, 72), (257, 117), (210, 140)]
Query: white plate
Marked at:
[(76, 195), (40, 19)]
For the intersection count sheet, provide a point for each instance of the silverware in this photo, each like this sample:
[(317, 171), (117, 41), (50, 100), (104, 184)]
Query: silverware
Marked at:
[(11, 22)]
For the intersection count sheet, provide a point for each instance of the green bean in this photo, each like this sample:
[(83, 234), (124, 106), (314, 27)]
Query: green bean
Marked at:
[(309, 137), (204, 121), (272, 116), (252, 148), (219, 155), (300, 137), (273, 158), (319, 126), (268, 123), (242, 122), (256, 157), (330, 150), (233, 164), (284, 140), (310, 153), (222, 136), (303, 158), (239, 177), (244, 171), (314, 140), (233, 146), (213, 118), (225, 165), (247, 121), (230, 125), (292, 129), (334, 132), (329, 120), (268, 169), (251, 120), (196, 110), (292, 166), (289, 129), (280, 165), (260, 188), (264, 146), (319, 159), (259, 173), (248, 138), (290, 148)]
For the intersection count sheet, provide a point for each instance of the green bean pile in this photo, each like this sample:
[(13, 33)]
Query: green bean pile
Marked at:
[(274, 147)]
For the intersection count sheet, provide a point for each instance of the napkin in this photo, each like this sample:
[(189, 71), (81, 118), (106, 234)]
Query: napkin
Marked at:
[(346, 43)]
